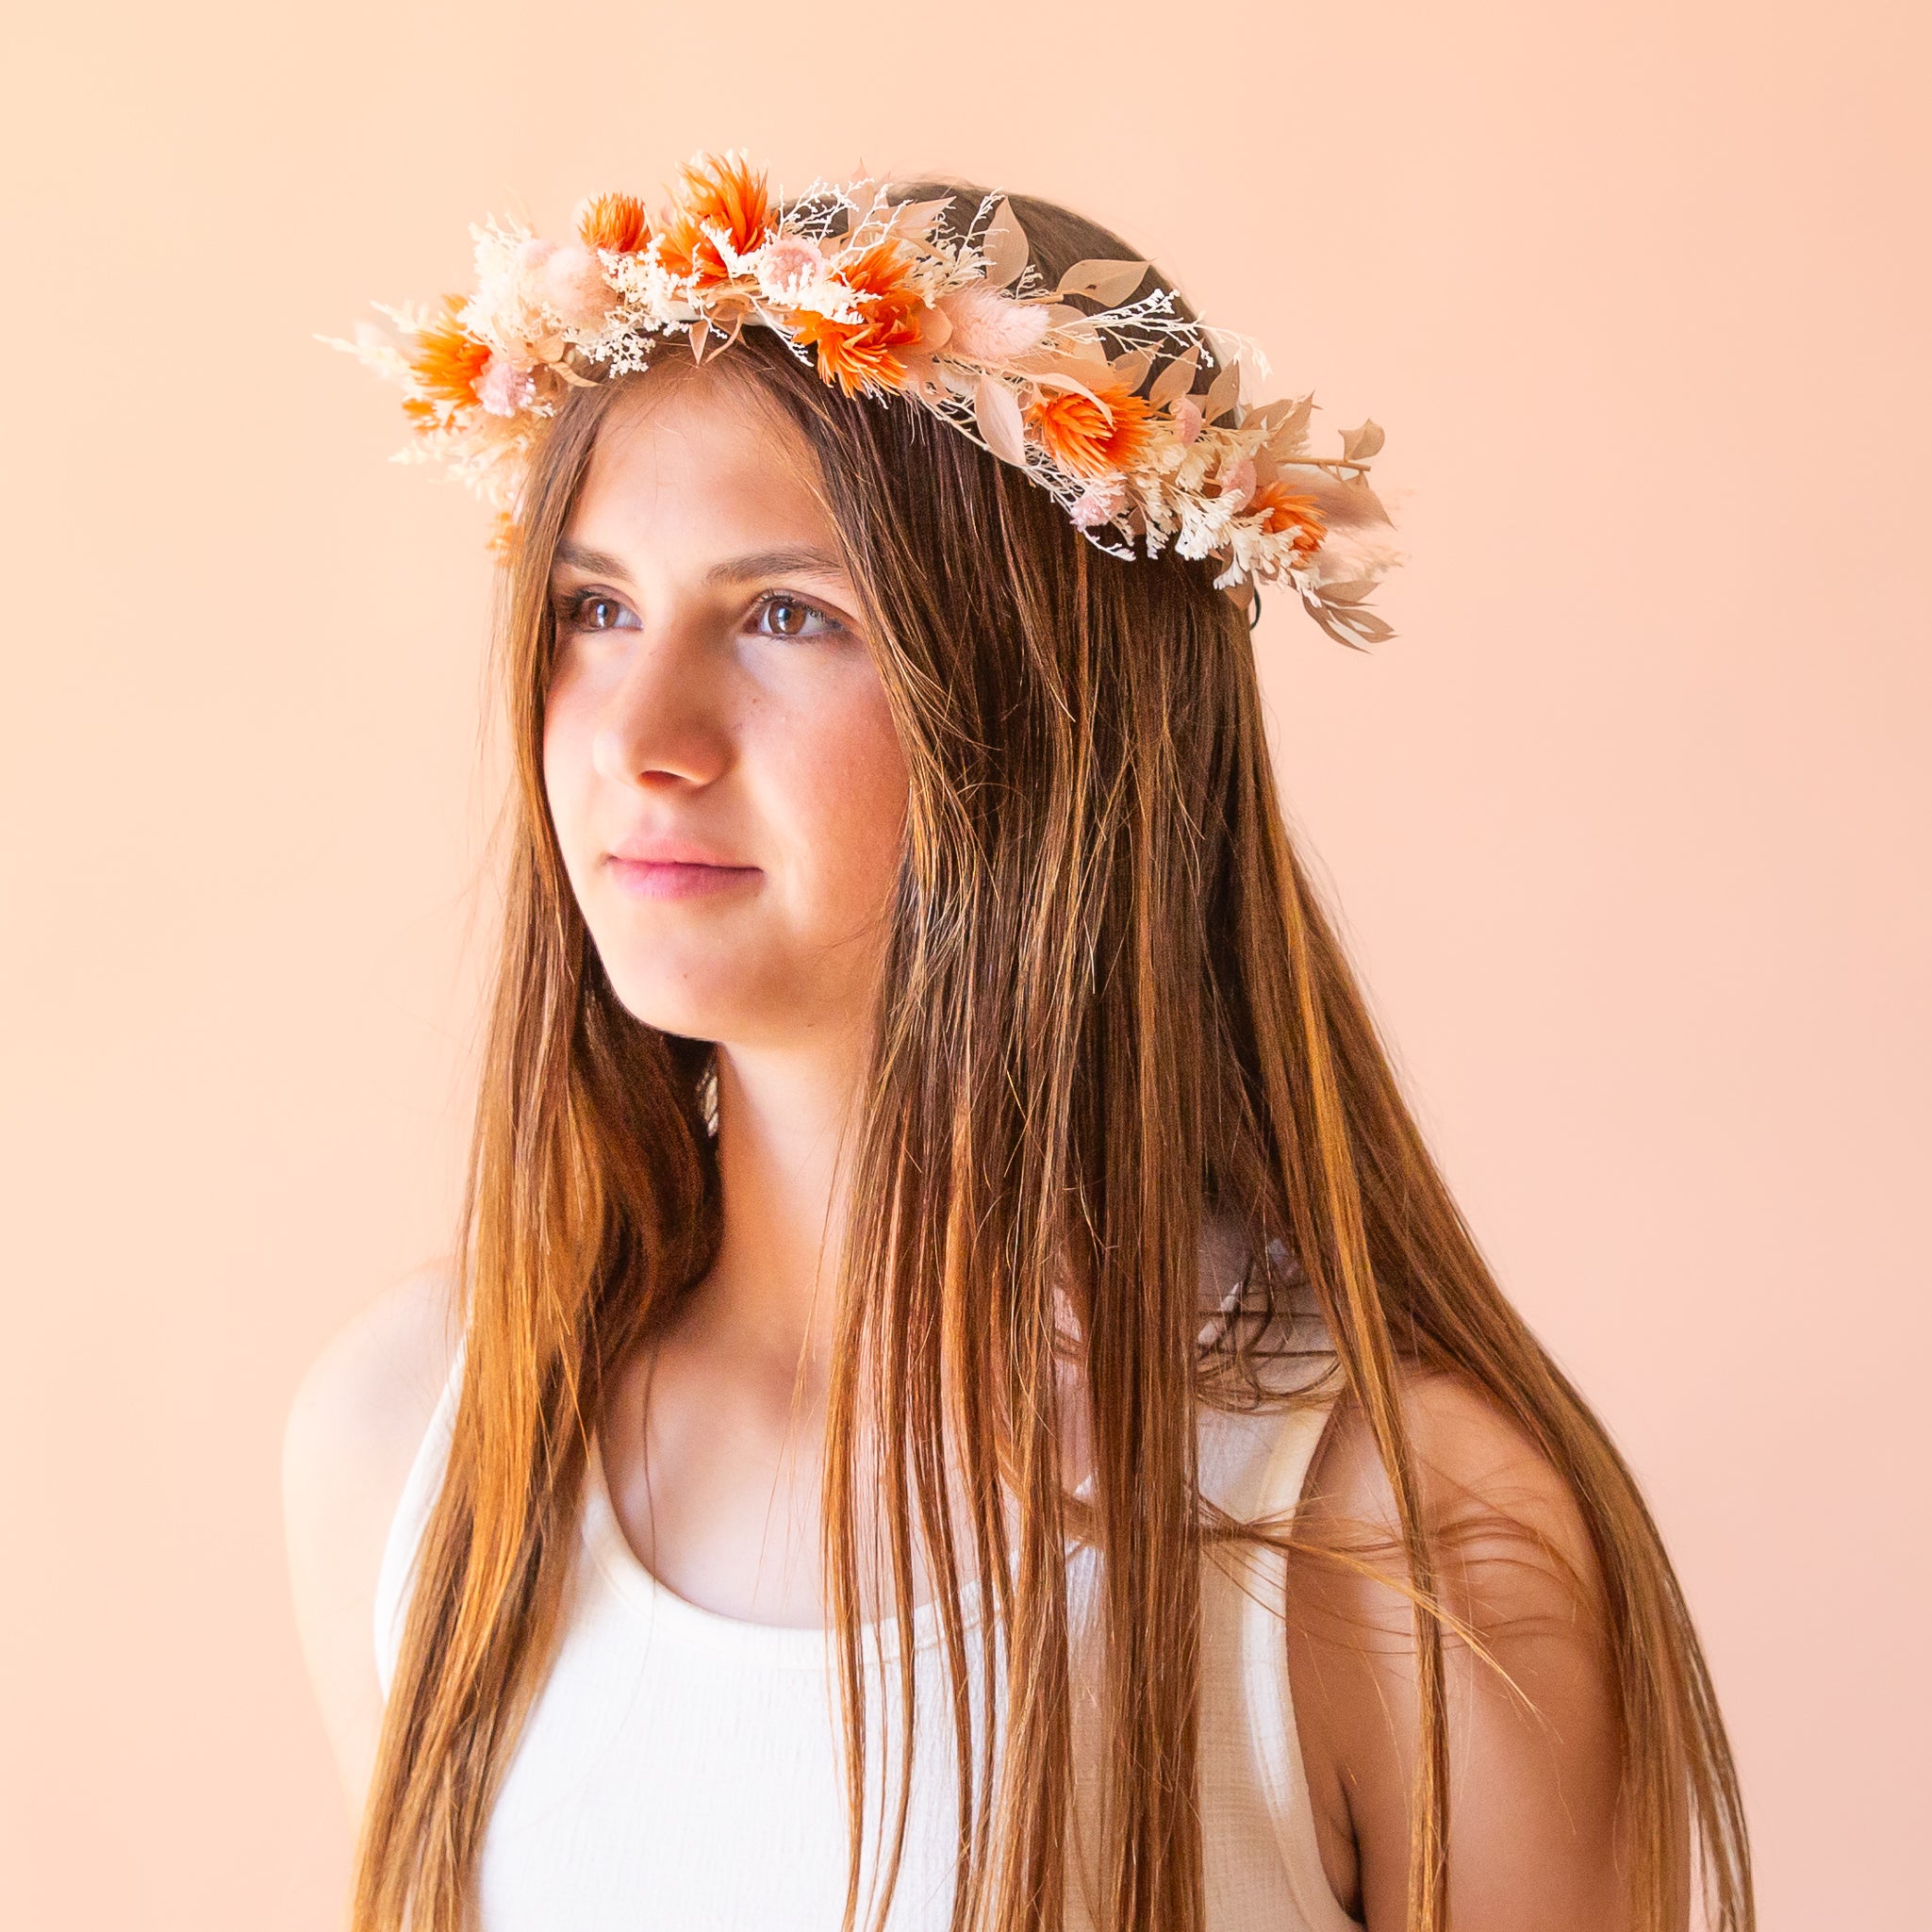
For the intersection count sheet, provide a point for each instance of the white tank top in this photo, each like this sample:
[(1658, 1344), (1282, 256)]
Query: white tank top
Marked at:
[(683, 1770)]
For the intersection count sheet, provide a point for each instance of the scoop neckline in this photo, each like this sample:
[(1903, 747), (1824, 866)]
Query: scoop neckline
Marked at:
[(786, 1647)]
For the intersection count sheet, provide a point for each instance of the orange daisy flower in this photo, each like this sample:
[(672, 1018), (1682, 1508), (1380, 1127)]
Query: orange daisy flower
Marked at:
[(728, 194), (616, 222), (1092, 436), (856, 353), (447, 360), (1282, 510)]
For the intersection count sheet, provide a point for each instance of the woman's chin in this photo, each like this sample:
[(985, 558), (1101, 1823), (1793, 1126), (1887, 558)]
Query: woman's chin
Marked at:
[(697, 999), (669, 1012)]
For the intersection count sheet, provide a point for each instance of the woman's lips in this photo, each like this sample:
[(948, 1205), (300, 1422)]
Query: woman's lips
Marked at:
[(676, 878)]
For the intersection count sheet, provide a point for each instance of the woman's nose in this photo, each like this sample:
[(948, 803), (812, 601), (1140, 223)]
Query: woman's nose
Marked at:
[(665, 721)]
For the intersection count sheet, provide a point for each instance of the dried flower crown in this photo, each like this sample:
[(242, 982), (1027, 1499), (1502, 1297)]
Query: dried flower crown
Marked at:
[(1095, 405)]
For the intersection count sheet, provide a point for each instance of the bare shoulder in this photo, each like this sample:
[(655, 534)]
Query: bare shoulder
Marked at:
[(1485, 1487), (1535, 1745), (367, 1397), (357, 1419)]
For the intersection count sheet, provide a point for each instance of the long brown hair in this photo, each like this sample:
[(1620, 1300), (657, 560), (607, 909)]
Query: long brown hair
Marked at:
[(1110, 1007)]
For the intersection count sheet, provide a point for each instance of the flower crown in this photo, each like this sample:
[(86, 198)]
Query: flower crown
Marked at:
[(1095, 405)]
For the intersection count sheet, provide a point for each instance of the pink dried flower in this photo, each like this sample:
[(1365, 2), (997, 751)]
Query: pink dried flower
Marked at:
[(1187, 419), (569, 281), (1236, 481), (786, 264), (1101, 502), (503, 388), (990, 327)]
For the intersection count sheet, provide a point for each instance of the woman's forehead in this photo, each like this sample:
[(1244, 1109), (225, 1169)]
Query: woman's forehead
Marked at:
[(699, 457)]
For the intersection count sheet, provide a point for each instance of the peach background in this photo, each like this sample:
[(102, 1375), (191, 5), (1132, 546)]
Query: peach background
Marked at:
[(1628, 825)]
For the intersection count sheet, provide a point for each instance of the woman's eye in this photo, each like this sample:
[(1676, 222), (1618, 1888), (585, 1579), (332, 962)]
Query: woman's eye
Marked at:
[(593, 610), (781, 616)]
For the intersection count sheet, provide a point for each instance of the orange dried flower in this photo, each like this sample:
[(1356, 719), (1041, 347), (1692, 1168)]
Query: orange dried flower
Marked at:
[(1282, 510), (617, 222), (1092, 436), (446, 360), (855, 354), (725, 193)]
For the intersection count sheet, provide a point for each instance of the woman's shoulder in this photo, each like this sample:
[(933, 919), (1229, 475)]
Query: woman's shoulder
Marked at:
[(372, 1389), (353, 1429), (1530, 1676), (1477, 1468)]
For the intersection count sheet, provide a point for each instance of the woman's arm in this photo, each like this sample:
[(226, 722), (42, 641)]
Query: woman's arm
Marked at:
[(357, 1423), (1533, 1770)]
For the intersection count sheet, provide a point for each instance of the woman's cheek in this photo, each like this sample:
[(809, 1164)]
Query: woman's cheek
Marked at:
[(869, 807), (567, 779)]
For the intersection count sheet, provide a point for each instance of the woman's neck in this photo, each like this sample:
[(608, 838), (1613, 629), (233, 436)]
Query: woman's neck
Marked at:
[(714, 1440), (782, 1152)]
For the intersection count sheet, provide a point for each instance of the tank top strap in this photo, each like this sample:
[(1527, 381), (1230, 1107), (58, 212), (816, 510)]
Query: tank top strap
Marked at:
[(396, 1578)]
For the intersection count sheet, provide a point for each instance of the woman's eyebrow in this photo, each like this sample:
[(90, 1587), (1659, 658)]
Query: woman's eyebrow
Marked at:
[(593, 563), (776, 563), (758, 563)]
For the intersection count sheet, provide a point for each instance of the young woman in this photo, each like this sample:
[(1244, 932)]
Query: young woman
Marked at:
[(961, 1400)]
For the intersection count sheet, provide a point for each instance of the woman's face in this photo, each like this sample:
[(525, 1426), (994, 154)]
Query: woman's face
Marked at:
[(722, 772)]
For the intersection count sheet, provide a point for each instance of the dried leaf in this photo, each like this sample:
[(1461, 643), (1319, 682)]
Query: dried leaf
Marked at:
[(1345, 623), (699, 330), (1363, 502), (912, 218), (1077, 337), (1177, 379), (1132, 367), (1352, 590), (1229, 345), (870, 203), (1106, 282), (998, 411), (1287, 423), (1359, 445), (1223, 393), (1004, 247), (1073, 377)]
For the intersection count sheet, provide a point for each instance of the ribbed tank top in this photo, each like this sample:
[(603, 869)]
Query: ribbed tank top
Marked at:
[(683, 1770)]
